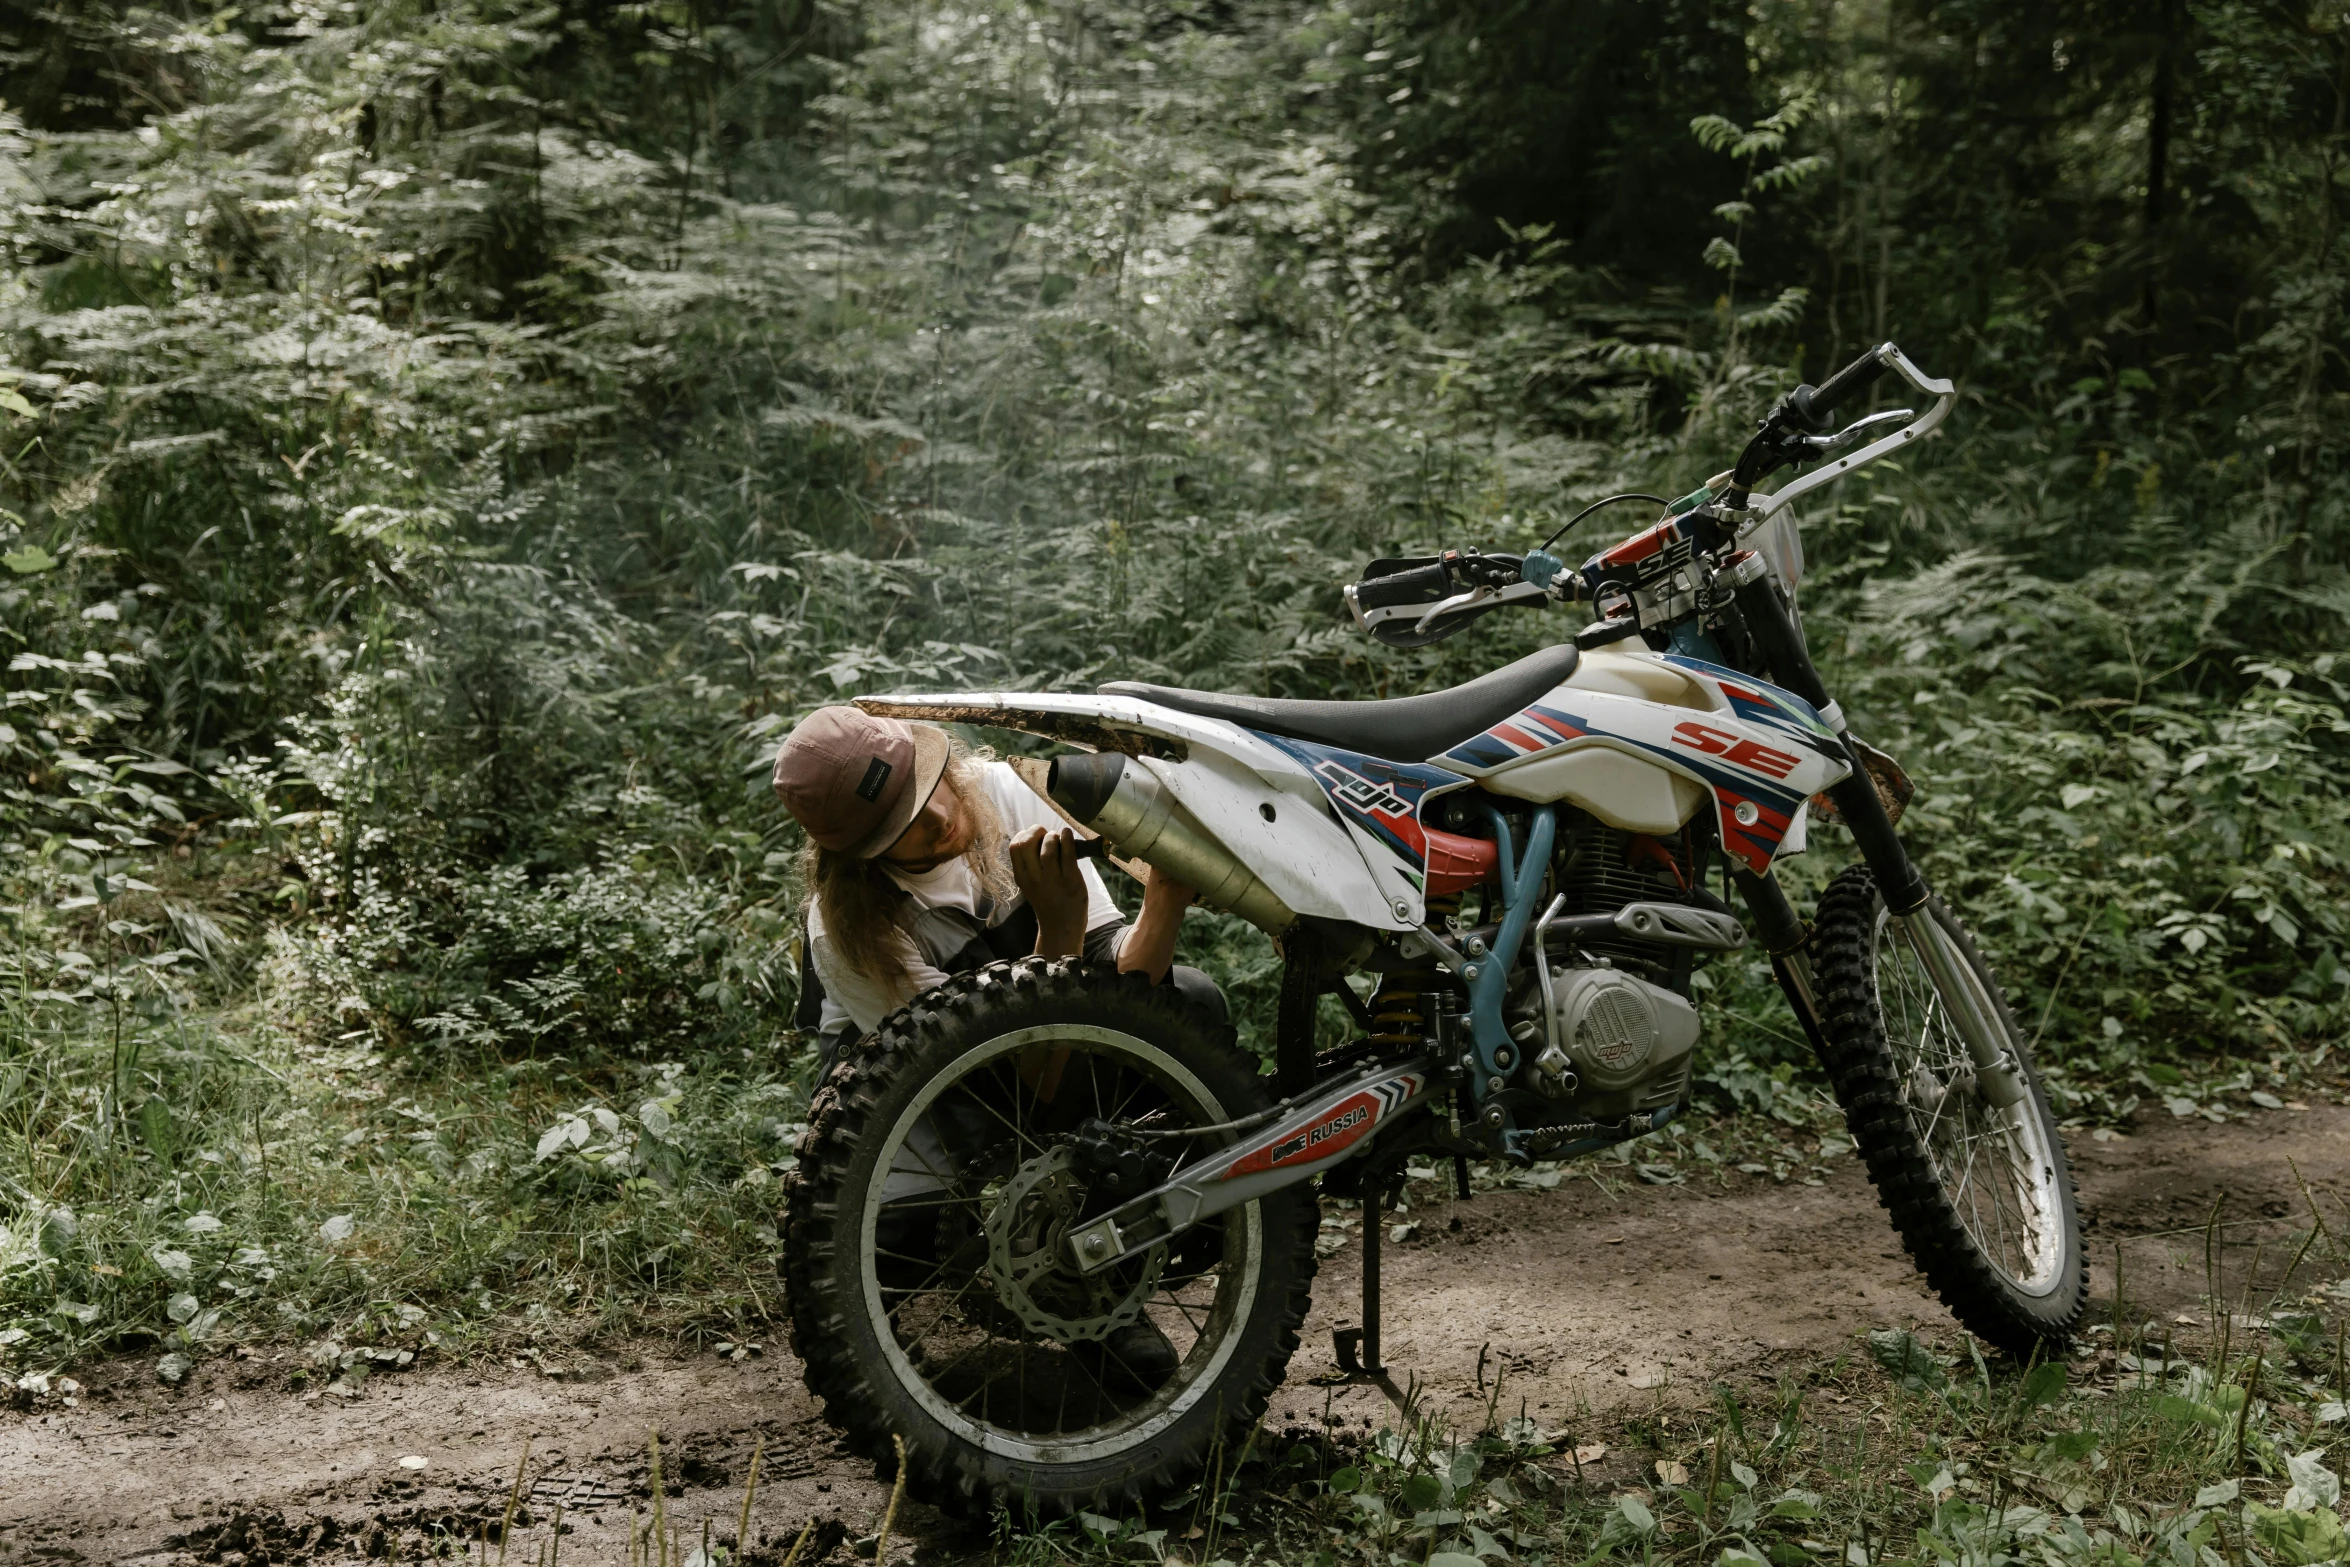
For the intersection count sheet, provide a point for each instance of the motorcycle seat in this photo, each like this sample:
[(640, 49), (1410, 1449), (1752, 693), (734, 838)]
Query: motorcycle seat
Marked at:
[(1400, 729)]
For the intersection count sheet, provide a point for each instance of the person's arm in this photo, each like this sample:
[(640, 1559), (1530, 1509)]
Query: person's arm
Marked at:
[(1149, 947), (867, 1001)]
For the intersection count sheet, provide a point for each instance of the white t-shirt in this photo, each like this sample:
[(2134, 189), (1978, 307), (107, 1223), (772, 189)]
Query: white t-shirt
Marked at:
[(850, 997)]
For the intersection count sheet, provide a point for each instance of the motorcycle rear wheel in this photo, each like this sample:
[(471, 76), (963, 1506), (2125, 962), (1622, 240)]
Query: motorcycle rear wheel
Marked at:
[(1981, 1197), (929, 1295)]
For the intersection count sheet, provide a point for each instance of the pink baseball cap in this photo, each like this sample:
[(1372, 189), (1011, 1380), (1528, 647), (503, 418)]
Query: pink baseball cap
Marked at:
[(856, 781)]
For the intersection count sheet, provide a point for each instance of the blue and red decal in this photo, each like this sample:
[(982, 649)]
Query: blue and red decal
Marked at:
[(1535, 728), (1759, 702), (1380, 796)]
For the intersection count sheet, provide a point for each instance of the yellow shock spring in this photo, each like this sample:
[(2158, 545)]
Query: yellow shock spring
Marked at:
[(1395, 1012), (1398, 1011)]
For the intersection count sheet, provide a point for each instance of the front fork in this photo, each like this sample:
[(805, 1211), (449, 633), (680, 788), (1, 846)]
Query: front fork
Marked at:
[(1972, 1011)]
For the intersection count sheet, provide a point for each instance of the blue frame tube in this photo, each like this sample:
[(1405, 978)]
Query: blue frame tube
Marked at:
[(1521, 888)]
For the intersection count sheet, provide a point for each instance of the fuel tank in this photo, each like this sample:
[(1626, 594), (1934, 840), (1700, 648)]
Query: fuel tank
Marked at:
[(1643, 740)]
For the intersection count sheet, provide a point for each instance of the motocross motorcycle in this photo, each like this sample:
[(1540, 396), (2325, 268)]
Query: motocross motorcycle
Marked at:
[(1054, 1229)]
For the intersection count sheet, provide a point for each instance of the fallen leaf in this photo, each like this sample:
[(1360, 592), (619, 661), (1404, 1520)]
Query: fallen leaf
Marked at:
[(1672, 1473), (174, 1366), (1591, 1453), (413, 1461), (337, 1229)]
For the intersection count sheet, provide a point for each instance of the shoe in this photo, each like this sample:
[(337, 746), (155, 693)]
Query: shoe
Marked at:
[(1134, 1359)]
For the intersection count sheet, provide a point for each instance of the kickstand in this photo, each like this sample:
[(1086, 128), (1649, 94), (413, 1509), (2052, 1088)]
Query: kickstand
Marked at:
[(1347, 1342)]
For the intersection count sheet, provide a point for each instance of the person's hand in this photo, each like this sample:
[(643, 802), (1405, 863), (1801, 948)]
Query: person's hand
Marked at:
[(1045, 864)]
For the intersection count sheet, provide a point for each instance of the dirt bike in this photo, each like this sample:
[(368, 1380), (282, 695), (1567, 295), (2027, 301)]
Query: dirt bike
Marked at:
[(1052, 1227)]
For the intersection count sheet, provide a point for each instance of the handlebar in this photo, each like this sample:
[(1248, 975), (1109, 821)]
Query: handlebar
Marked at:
[(1418, 584), (1777, 449), (1413, 601), (1811, 405), (1403, 587)]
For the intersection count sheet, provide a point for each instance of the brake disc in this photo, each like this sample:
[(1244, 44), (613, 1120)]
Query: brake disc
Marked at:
[(1027, 1257)]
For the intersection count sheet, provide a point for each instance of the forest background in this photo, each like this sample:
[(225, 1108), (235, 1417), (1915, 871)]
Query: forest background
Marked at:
[(447, 445)]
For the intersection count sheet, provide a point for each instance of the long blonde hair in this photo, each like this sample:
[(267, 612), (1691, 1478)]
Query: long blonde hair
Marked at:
[(866, 913)]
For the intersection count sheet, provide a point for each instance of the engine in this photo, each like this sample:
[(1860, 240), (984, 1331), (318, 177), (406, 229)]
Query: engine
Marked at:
[(1616, 1045), (1602, 868), (1607, 1029)]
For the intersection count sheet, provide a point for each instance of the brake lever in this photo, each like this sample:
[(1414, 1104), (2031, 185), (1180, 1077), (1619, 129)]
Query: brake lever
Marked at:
[(1815, 447), (1445, 606)]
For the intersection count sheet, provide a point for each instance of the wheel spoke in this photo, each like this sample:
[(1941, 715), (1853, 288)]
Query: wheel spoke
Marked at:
[(1010, 1123), (943, 1308), (1986, 1160), (1175, 1300), (936, 1267)]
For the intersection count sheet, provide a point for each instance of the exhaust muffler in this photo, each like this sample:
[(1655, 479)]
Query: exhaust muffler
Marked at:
[(1127, 804)]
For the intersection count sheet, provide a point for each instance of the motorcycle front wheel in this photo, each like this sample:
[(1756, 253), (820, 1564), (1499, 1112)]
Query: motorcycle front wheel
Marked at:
[(1980, 1193), (931, 1296)]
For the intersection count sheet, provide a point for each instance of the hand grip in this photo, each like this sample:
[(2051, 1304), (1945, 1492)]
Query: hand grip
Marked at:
[(1813, 404), (1440, 578), (1422, 584)]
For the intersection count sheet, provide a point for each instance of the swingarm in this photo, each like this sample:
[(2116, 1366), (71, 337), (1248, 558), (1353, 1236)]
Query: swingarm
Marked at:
[(1332, 1124)]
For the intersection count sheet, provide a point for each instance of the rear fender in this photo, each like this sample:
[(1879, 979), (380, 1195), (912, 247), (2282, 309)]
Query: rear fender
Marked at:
[(1253, 796)]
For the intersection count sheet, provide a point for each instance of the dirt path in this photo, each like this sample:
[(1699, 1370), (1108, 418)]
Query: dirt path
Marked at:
[(1578, 1300), (1582, 1300)]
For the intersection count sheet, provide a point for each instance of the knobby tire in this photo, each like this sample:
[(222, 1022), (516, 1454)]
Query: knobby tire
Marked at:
[(822, 1270), (1867, 1081)]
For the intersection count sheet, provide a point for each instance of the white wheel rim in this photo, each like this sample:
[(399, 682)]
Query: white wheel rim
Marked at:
[(1996, 1167), (1234, 1298)]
